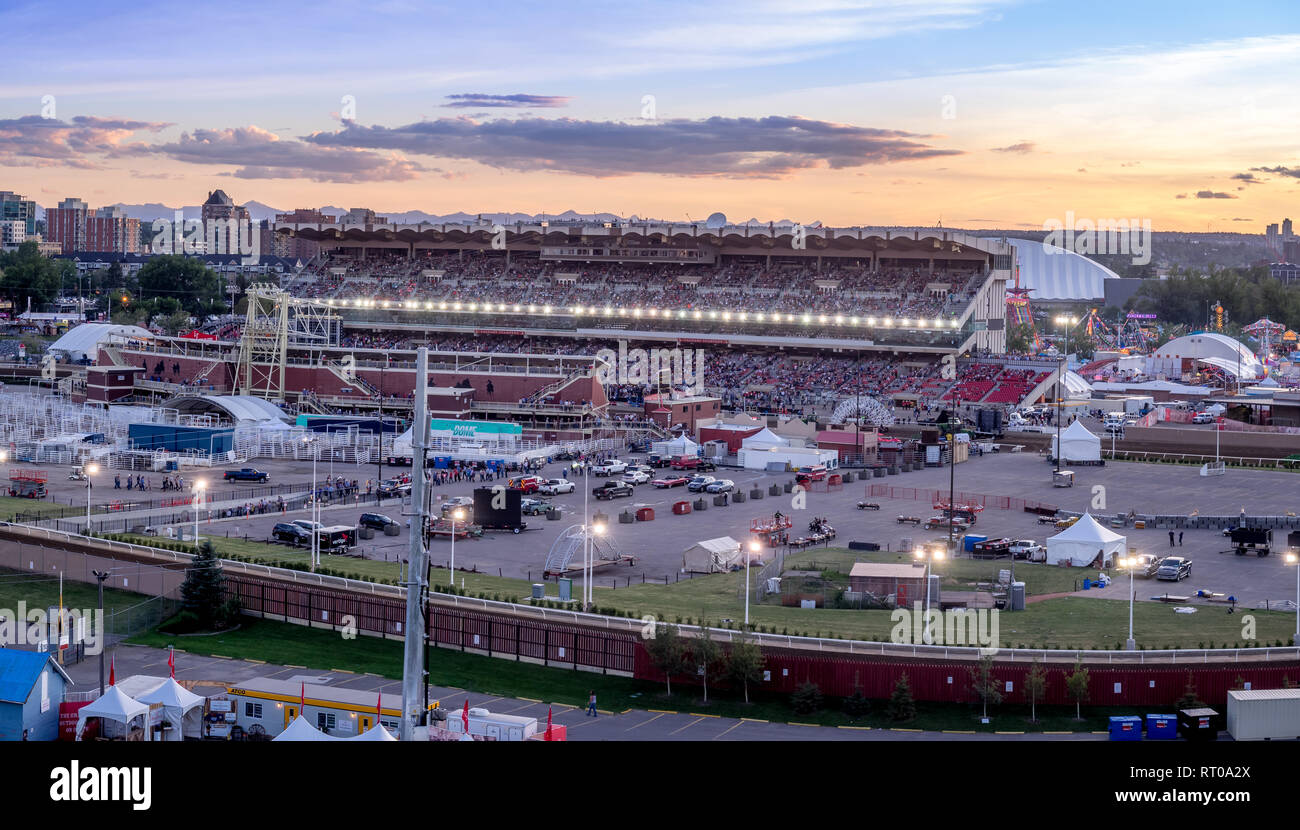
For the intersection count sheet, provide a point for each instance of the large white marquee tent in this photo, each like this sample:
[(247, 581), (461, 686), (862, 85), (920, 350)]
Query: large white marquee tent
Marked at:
[(1080, 543)]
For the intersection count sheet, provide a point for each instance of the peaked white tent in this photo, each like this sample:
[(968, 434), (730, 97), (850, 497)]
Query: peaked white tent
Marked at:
[(374, 733), (182, 708), (1077, 444), (301, 730), (712, 555), (678, 446), (117, 706), (763, 439), (1080, 543)]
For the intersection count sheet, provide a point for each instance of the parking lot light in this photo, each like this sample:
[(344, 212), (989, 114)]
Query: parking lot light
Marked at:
[(1292, 558), (456, 515), (1130, 563)]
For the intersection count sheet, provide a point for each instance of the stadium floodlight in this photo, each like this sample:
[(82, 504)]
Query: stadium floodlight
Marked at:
[(955, 323), (743, 316), (455, 306), (888, 322), (806, 319), (577, 309), (608, 311), (698, 315), (920, 323), (442, 306), (622, 312), (726, 315), (385, 303), (546, 309), (516, 308), (532, 309), (681, 313), (853, 320), (821, 318), (713, 315), (330, 302), (759, 317), (473, 306), (429, 304), (636, 312), (839, 320)]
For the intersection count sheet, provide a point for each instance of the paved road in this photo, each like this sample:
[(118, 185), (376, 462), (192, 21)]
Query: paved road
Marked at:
[(631, 725)]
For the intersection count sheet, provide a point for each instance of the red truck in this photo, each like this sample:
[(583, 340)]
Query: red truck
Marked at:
[(691, 462)]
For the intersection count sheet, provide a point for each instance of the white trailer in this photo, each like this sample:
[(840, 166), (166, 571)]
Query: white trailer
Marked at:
[(1264, 714), (493, 727)]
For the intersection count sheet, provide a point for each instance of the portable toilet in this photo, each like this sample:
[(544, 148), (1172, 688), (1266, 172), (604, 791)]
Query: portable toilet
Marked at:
[(1017, 596), (1162, 727), (1198, 724), (972, 539), (1126, 728)]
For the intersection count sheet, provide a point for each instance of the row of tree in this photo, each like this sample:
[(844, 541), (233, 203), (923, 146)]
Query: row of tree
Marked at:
[(740, 662)]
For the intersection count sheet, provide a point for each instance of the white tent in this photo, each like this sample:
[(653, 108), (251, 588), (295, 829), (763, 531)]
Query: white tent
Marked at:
[(712, 555), (182, 709), (1077, 444), (117, 706), (374, 733), (678, 446), (764, 439), (301, 730), (1080, 543)]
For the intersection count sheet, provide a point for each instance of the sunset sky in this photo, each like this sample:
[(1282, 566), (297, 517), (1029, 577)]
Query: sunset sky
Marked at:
[(973, 113)]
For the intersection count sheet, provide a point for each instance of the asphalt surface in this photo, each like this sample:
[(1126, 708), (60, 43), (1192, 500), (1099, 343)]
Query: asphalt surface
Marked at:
[(215, 673)]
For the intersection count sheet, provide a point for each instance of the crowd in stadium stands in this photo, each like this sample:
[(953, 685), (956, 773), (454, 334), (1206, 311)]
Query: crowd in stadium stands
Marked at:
[(787, 288)]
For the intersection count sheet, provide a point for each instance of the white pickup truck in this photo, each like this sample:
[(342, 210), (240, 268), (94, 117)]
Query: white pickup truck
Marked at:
[(1028, 549), (612, 467)]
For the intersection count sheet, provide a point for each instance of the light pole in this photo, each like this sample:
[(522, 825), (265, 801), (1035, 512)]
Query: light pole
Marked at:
[(315, 501), (1061, 320), (91, 469), (1294, 559), (100, 576), (198, 498), (1130, 563), (590, 568), (456, 515), (935, 555), (754, 547)]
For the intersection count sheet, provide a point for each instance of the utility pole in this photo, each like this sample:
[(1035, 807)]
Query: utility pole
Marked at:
[(412, 664), (100, 576)]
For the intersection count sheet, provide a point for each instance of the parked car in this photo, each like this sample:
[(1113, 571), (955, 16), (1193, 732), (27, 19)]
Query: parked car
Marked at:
[(659, 461), (698, 483), (306, 525), (612, 467), (612, 490), (1202, 418), (533, 507), (556, 486), (1174, 568), (466, 503), (525, 484), (377, 521), (394, 487), (636, 477), (691, 462), (291, 534), (246, 474), (1028, 549), (670, 481), (722, 485), (1148, 564)]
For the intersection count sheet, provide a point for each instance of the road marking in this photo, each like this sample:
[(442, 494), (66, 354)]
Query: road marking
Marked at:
[(662, 711), (754, 720), (644, 722), (1000, 732), (795, 723), (290, 666), (959, 731), (221, 657), (530, 700), (698, 715), (863, 728), (1058, 733), (692, 723), (898, 729), (343, 671), (728, 729), (1101, 732), (251, 660)]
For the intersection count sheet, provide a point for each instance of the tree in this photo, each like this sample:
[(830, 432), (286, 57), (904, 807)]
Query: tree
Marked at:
[(1020, 338), (857, 704), (27, 274), (706, 654), (807, 698), (204, 586), (667, 652), (984, 684), (1035, 688), (902, 707), (745, 662), (195, 286), (1191, 699), (1076, 686)]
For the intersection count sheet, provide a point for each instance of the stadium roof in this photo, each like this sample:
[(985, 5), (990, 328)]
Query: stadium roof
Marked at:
[(1217, 350), (1052, 273), (238, 408), (85, 338)]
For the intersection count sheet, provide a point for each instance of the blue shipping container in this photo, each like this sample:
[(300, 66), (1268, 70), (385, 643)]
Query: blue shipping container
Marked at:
[(1162, 727), (178, 439), (973, 539), (1126, 728)]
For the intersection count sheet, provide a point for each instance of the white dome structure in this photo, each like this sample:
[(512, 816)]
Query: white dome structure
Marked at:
[(1052, 273), (1212, 348)]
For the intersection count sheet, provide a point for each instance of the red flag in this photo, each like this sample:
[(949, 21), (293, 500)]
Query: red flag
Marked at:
[(112, 671), (464, 716), (379, 708), (548, 723), (171, 662), (302, 698)]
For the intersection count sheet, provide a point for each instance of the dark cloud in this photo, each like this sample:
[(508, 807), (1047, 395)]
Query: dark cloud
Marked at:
[(264, 155), (1022, 148), (1213, 194), (1181, 196), (1292, 172), (518, 101), (1248, 178), (33, 141), (1241, 219), (769, 147)]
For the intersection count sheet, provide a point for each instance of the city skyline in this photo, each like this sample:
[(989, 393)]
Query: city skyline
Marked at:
[(971, 113)]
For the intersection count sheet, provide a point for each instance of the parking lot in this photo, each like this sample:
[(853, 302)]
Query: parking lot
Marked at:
[(658, 545)]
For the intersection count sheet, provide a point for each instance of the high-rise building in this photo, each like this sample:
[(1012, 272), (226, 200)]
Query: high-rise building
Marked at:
[(1286, 230), (66, 225), (363, 216), (111, 230), (222, 219), (295, 247), (13, 206), (13, 232)]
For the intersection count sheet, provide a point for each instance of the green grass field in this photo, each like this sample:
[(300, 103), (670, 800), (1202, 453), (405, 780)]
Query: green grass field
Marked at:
[(324, 650), (41, 590), (1068, 622), (12, 505)]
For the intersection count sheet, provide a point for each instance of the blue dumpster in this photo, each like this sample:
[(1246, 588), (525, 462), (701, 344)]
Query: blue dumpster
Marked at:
[(1162, 727), (971, 539), (1126, 728), (1087, 584)]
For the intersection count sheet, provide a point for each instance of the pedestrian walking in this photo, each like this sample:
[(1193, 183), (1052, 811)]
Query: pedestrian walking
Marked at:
[(591, 704), (1180, 538), (1171, 538)]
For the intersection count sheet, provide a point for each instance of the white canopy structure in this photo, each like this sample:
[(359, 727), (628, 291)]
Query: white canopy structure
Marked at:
[(84, 340), (115, 706), (183, 709), (1080, 543), (678, 446), (374, 733), (763, 439), (712, 555), (301, 730), (1077, 444)]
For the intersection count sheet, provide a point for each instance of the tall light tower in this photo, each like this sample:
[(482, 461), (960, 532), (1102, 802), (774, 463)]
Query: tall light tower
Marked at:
[(413, 675)]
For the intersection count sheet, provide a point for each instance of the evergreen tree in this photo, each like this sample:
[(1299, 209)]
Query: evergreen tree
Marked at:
[(1190, 699), (1076, 685), (902, 707), (204, 586), (806, 699)]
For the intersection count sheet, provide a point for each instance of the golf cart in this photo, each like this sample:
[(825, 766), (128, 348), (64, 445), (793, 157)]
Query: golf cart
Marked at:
[(1063, 478)]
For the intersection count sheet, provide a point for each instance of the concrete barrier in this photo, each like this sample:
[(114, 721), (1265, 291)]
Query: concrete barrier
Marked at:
[(756, 493)]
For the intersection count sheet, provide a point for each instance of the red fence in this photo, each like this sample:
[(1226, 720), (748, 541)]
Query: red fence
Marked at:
[(934, 496)]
